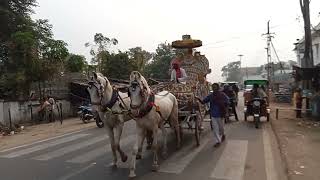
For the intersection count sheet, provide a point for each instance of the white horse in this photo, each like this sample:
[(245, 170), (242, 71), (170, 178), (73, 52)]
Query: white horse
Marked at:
[(151, 112), (111, 109)]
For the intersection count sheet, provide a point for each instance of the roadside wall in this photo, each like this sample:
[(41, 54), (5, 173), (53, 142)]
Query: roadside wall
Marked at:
[(21, 111)]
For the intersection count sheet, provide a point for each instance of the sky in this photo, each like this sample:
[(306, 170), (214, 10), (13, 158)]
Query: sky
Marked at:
[(227, 28)]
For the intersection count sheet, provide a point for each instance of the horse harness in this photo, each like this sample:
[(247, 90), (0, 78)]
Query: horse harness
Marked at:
[(149, 105)]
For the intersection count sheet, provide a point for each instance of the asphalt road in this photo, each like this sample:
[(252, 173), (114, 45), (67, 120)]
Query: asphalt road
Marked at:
[(247, 154)]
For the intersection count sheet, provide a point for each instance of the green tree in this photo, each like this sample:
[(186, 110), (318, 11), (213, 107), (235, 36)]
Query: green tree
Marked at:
[(139, 57), (28, 51), (159, 66), (231, 71), (75, 63), (101, 45), (117, 65)]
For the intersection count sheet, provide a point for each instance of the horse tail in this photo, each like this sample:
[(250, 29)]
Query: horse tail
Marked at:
[(174, 120)]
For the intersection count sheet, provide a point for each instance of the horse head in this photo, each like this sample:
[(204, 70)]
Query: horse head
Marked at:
[(99, 88), (139, 90)]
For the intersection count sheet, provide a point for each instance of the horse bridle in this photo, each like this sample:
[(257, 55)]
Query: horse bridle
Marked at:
[(133, 86), (99, 91)]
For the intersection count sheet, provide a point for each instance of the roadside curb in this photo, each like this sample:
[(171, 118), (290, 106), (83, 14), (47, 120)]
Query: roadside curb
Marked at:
[(282, 155)]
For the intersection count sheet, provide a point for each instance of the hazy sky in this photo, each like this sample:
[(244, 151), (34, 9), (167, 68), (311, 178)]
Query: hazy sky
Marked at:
[(226, 27)]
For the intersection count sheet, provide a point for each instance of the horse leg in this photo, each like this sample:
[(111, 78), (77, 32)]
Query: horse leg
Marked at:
[(143, 135), (140, 135), (119, 128), (149, 139), (155, 166), (113, 145), (165, 148)]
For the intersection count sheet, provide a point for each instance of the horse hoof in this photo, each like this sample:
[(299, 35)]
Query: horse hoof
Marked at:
[(155, 168), (124, 158), (138, 156), (132, 175), (114, 166)]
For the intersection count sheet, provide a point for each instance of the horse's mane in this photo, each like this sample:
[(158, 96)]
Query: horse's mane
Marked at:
[(100, 74)]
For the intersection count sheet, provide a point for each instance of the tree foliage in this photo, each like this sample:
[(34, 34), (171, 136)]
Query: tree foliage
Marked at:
[(101, 44), (28, 51), (139, 57), (117, 65), (231, 71), (159, 67), (75, 63)]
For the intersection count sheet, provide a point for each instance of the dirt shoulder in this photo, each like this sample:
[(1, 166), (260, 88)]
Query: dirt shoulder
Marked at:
[(299, 141), (43, 131)]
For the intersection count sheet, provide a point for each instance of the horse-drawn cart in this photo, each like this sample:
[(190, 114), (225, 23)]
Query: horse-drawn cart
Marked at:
[(191, 112)]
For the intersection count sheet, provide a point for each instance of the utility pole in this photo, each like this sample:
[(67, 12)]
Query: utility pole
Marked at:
[(268, 48)]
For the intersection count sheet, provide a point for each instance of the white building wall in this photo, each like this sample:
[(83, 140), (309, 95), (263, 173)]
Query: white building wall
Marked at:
[(316, 50)]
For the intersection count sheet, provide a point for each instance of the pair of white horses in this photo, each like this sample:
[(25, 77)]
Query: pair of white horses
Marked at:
[(149, 111)]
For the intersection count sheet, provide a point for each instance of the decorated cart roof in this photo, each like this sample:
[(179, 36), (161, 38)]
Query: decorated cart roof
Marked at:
[(186, 42)]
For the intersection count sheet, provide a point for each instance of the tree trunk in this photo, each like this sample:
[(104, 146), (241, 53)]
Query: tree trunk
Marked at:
[(307, 30), (4, 20)]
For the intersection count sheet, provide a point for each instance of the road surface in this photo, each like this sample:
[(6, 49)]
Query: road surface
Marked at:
[(247, 154)]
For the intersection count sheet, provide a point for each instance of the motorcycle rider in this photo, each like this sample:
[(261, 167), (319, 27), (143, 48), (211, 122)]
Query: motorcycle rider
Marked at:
[(227, 89), (258, 92)]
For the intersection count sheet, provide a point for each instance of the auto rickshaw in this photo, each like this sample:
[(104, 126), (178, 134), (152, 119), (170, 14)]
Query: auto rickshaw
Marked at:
[(256, 106)]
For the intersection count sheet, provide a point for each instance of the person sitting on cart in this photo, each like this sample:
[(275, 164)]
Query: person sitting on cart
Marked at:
[(235, 88), (227, 89), (178, 74), (218, 104)]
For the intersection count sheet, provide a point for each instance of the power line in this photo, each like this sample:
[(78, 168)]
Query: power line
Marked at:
[(275, 52)]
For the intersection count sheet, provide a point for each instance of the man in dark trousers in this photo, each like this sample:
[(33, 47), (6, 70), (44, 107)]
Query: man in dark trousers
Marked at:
[(298, 102), (218, 104)]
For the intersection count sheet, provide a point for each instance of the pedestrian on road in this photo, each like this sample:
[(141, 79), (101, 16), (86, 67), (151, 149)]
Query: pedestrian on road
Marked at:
[(298, 102), (218, 105)]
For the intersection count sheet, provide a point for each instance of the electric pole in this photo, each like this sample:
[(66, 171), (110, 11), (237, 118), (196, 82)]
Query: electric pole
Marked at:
[(268, 48)]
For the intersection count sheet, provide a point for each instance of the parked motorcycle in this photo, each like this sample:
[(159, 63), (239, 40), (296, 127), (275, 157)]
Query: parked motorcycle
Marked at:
[(86, 114)]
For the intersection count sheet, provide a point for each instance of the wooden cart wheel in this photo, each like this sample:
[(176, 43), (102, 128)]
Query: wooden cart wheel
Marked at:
[(197, 130)]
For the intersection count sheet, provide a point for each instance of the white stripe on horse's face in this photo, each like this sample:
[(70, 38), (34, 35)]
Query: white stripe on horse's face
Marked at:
[(94, 94), (135, 94)]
